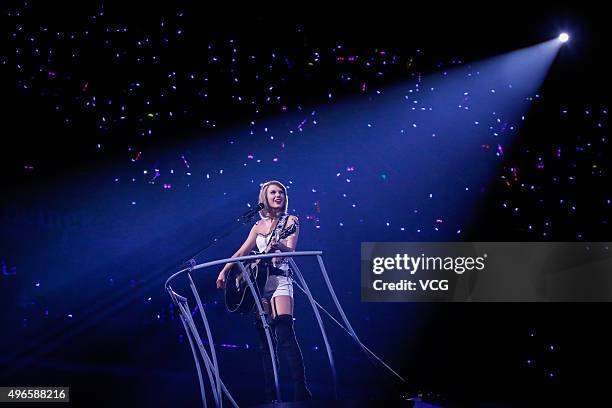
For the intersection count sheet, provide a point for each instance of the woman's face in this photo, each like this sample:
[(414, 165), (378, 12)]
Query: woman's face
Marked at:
[(276, 197)]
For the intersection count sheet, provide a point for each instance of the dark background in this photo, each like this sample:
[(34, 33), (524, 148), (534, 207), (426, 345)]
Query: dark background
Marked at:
[(115, 349)]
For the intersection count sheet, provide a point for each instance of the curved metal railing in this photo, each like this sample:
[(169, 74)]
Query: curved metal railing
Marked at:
[(210, 360)]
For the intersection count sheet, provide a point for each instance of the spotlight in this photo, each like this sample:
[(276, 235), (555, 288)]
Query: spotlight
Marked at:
[(564, 37)]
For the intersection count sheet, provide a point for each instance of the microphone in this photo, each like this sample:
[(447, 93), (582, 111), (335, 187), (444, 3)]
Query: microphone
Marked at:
[(252, 211)]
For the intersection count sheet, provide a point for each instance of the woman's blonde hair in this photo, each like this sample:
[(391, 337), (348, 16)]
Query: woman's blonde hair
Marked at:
[(265, 212)]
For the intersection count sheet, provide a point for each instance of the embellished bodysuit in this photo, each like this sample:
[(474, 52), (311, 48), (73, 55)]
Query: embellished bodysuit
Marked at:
[(276, 285)]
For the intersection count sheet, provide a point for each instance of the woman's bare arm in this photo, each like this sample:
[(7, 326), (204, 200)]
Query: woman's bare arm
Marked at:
[(246, 247)]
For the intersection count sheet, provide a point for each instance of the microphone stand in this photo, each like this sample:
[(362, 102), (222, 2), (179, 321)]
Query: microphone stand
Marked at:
[(190, 263)]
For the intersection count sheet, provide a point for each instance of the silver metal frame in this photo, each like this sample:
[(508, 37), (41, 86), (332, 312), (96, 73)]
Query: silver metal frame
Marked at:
[(210, 361)]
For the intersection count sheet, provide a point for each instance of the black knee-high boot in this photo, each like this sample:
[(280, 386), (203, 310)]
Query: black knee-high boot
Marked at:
[(288, 347), (269, 387)]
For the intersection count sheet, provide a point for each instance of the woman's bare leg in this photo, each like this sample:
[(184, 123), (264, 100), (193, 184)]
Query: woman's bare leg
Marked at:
[(282, 304)]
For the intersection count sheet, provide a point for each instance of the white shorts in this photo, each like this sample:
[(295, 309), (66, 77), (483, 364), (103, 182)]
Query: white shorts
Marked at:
[(278, 285)]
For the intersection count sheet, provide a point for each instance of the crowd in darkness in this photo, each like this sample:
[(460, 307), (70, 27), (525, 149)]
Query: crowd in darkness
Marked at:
[(128, 79), (113, 83), (100, 82), (95, 81)]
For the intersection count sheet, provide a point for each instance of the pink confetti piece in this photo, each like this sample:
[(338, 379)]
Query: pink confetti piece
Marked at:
[(184, 160), (500, 150)]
